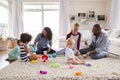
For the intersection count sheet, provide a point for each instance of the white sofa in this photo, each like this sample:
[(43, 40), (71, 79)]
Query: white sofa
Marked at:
[(115, 42), (3, 45), (114, 47), (7, 43), (86, 37)]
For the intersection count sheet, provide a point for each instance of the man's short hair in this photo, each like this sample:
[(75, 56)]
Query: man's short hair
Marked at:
[(97, 26)]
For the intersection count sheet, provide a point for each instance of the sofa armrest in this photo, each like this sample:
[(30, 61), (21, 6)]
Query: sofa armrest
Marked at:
[(3, 45)]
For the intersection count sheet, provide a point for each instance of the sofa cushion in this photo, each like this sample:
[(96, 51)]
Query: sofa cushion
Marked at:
[(115, 34), (115, 42)]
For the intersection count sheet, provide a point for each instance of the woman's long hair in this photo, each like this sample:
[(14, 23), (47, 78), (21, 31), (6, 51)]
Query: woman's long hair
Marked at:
[(49, 33)]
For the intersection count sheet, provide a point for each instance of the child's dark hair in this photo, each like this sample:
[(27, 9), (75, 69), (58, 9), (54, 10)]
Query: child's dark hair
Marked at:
[(25, 37), (18, 41), (49, 33)]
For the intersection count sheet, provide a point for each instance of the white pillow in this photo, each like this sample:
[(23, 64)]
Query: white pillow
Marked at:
[(115, 33), (86, 34)]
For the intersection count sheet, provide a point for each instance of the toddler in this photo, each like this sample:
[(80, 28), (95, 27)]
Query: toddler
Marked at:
[(69, 53)]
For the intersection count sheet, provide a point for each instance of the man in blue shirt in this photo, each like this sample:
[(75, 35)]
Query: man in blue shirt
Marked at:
[(99, 45)]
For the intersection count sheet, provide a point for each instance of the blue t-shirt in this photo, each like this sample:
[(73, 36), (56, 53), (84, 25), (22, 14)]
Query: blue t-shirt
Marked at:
[(42, 42)]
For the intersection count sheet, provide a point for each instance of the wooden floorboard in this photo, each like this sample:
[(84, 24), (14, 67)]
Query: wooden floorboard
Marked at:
[(3, 56)]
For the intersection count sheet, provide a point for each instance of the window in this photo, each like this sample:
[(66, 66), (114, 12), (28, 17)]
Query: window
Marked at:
[(32, 23), (38, 16), (51, 19), (32, 7), (51, 6), (4, 2), (3, 19)]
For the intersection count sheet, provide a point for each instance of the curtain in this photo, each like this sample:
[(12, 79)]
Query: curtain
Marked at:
[(115, 15), (17, 17), (64, 17)]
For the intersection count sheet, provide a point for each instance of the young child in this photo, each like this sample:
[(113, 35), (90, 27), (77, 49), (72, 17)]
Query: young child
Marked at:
[(25, 54), (69, 53), (14, 53)]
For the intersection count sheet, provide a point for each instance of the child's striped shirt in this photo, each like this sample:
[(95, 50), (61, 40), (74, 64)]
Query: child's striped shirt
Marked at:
[(23, 54)]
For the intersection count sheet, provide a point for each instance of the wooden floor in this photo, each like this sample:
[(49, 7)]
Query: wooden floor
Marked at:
[(3, 56)]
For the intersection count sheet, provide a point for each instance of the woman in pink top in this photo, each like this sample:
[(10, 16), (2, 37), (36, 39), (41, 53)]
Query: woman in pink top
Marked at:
[(74, 34)]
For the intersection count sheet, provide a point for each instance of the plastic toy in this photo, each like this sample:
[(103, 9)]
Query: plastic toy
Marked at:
[(54, 55), (71, 66), (89, 65), (33, 48), (55, 65), (44, 58), (99, 66), (43, 72), (45, 52), (40, 56), (34, 61), (49, 55), (78, 73)]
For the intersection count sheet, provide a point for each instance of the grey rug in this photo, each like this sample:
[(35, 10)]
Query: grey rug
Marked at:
[(102, 69)]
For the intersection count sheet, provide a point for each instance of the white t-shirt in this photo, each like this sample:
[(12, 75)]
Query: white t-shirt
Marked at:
[(69, 54), (75, 39)]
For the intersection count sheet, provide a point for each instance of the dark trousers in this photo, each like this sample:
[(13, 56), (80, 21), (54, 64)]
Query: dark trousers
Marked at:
[(93, 56), (85, 50), (40, 51)]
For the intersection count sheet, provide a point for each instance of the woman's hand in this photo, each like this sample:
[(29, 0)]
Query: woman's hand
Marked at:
[(48, 49), (77, 52)]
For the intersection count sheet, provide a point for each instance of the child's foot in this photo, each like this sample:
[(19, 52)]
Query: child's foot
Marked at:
[(82, 62)]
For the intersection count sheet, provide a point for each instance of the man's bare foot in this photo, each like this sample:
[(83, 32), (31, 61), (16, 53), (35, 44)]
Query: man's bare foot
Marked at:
[(86, 55)]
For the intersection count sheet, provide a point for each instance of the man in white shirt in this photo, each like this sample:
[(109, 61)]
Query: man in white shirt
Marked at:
[(99, 45)]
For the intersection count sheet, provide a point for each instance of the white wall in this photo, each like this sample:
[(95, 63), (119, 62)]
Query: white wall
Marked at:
[(101, 7), (108, 10)]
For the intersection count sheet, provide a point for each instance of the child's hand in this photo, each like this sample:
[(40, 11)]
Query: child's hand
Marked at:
[(27, 49), (82, 62)]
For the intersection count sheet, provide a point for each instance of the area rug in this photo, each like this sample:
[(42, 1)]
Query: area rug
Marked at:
[(102, 69)]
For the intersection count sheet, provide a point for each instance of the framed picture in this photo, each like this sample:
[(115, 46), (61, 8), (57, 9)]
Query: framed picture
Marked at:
[(91, 14), (101, 17), (81, 15), (72, 18)]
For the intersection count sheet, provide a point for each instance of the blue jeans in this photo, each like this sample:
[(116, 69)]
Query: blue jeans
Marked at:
[(93, 56), (62, 51)]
